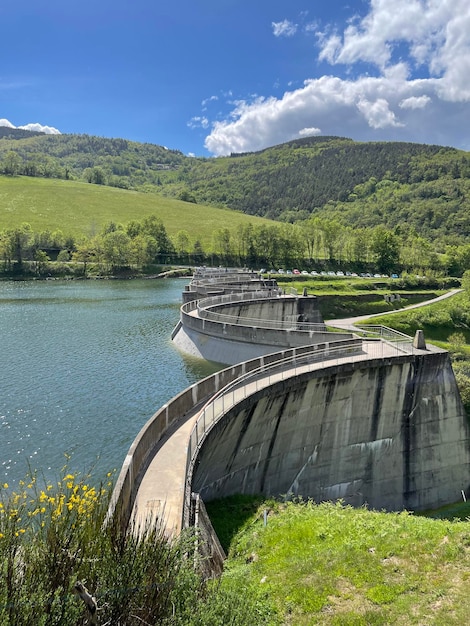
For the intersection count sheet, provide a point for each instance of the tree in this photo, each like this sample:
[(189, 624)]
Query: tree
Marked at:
[(143, 249), (95, 175), (331, 232), (385, 245), (222, 244), (187, 196), (466, 284), (309, 234), (133, 228), (63, 256), (84, 253), (266, 242), (116, 248), (360, 245), (198, 252), (41, 262), (111, 227), (11, 164), (155, 228), (182, 243), (17, 245)]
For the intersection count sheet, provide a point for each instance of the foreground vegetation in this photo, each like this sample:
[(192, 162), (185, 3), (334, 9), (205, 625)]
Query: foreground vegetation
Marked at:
[(289, 563), (330, 564), (60, 566)]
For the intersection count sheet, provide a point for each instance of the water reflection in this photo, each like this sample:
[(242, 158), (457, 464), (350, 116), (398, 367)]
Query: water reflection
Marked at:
[(84, 366)]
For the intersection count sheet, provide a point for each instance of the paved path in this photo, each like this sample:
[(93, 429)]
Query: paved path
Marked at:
[(349, 322), (161, 491)]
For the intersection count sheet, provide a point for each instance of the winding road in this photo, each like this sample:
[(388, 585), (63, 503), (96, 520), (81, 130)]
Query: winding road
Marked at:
[(349, 322)]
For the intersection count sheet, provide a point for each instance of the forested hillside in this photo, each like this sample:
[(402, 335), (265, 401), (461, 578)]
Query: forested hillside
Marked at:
[(395, 185), (301, 176), (113, 162)]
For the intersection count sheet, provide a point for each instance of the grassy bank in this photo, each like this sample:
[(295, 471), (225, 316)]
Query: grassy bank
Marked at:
[(333, 565), (340, 297)]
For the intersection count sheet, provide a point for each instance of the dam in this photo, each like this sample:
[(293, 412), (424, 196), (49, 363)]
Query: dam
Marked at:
[(371, 417)]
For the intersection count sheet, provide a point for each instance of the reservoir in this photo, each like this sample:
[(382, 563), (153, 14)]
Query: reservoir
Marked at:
[(84, 364)]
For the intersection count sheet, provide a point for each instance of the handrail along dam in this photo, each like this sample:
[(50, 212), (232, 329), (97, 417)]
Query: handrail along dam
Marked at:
[(371, 417)]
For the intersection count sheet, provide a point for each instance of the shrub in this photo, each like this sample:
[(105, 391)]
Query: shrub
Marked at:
[(53, 542)]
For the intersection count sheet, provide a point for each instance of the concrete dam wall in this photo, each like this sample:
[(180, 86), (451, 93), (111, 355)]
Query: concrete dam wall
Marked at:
[(374, 420), (240, 327), (392, 434)]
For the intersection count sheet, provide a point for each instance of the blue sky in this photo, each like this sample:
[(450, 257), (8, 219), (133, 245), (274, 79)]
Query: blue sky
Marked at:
[(211, 77)]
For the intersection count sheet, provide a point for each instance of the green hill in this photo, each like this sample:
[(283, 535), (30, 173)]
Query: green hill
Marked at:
[(77, 208), (425, 187)]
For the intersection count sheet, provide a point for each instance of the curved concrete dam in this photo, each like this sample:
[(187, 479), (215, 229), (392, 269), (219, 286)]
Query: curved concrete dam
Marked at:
[(241, 326), (367, 420), (390, 433)]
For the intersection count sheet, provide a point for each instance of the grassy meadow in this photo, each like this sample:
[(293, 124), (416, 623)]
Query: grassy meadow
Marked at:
[(331, 564), (78, 208)]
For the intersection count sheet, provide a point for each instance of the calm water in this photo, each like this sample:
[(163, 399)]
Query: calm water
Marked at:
[(83, 366)]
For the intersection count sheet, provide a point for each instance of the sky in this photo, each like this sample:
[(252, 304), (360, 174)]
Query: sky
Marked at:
[(214, 77)]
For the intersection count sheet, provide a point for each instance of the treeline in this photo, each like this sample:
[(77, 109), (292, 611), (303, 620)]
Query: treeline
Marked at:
[(314, 243)]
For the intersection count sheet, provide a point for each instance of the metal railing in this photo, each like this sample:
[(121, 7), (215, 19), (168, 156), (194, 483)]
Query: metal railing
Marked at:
[(230, 298), (205, 305), (392, 337), (218, 272), (230, 278), (291, 323)]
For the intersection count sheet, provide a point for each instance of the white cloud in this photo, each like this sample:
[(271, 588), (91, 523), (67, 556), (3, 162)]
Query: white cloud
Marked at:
[(4, 122), (415, 102), (284, 28), (419, 89), (49, 130), (199, 121), (206, 101), (377, 113), (309, 132), (311, 27)]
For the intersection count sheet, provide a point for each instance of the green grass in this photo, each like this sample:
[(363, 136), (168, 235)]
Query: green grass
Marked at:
[(334, 565), (349, 297), (79, 208), (439, 321)]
